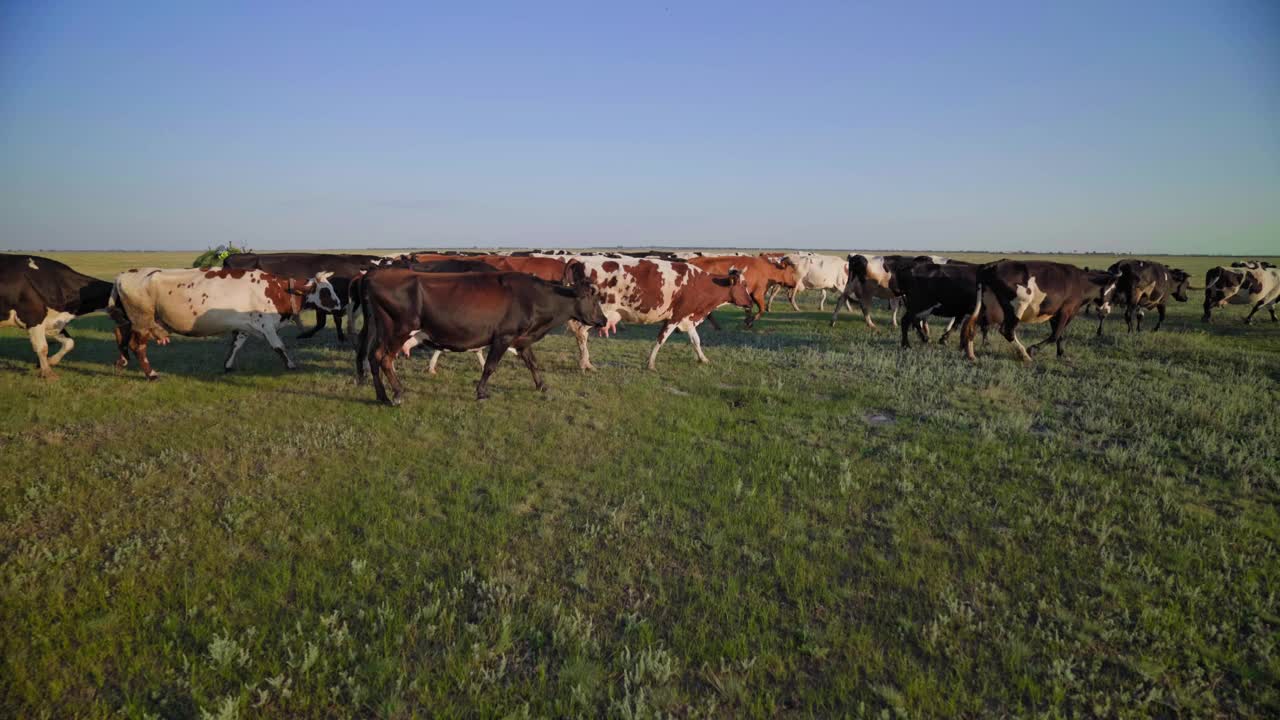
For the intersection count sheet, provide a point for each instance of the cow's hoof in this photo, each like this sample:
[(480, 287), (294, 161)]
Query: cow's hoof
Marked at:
[(395, 401), (153, 377), (48, 375)]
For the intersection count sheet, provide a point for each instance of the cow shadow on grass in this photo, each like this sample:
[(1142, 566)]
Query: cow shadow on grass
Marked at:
[(95, 346)]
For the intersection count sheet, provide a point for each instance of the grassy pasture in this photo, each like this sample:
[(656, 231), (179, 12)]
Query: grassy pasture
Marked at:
[(817, 524)]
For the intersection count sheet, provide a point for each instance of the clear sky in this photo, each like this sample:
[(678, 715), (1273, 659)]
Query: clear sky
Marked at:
[(1115, 126)]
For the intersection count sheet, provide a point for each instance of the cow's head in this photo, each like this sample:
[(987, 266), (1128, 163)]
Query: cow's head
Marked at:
[(585, 294), (316, 293), (1181, 285), (858, 267), (1103, 289), (786, 270), (736, 281), (1220, 285)]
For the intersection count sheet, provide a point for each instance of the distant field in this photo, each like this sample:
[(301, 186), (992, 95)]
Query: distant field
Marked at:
[(818, 524)]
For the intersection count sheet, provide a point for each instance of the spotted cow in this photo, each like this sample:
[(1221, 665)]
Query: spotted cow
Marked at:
[(1257, 287), (41, 296), (875, 276), (152, 303), (642, 290), (1035, 292), (1143, 285)]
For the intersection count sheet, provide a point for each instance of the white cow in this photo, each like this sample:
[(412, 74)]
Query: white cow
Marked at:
[(151, 303), (815, 272)]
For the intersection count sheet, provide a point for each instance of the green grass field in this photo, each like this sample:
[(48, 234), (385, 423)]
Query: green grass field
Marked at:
[(818, 524)]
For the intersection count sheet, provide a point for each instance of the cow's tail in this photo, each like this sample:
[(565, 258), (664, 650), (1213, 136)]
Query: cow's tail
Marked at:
[(970, 328), (354, 302), (364, 341)]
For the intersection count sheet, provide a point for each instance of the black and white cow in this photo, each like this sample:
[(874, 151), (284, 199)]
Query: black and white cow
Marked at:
[(1142, 285), (1257, 287), (41, 296), (1036, 292)]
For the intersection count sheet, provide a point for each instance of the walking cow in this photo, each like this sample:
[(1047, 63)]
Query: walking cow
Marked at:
[(41, 296), (1035, 292), (204, 302), (1258, 287)]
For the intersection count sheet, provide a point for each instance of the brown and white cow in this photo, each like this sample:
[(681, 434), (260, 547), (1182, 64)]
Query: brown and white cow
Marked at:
[(1258, 287), (151, 303), (1035, 292), (758, 274), (41, 296), (1143, 285), (642, 290)]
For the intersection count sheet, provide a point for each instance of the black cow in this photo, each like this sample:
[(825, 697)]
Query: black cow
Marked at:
[(1035, 292), (303, 267), (465, 311), (946, 290), (41, 296), (872, 276), (1142, 285)]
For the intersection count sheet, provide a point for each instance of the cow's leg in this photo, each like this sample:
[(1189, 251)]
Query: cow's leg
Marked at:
[(1101, 317), (1129, 312), (773, 294), (338, 317), (581, 333), (526, 354), (663, 334), (123, 333), (238, 339), (1272, 309), (946, 332), (906, 331), (1057, 332), (690, 328), (756, 310), (1160, 310), (1138, 318), (362, 352), (711, 318), (843, 298), (273, 339), (1010, 332), (40, 344), (894, 304), (1248, 319), (321, 318), (65, 343), (384, 362), (497, 349), (822, 300), (792, 294), (138, 344), (435, 358)]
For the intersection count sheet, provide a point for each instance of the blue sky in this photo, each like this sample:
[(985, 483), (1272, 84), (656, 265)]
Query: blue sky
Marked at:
[(1134, 126)]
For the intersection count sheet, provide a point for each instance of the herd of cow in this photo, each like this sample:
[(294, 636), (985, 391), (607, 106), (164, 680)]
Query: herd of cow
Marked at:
[(495, 303)]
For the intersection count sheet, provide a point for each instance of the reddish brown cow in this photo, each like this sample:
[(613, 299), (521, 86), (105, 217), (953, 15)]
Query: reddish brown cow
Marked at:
[(759, 274)]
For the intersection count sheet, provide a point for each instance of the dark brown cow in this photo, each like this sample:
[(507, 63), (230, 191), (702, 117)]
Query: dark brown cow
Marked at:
[(464, 311), (1142, 285), (41, 296), (1035, 292)]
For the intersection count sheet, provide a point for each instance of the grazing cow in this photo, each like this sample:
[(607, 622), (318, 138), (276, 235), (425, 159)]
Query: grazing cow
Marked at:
[(815, 272), (303, 266), (464, 311), (677, 294), (1035, 292), (1252, 264), (1258, 287), (758, 273), (945, 290), (151, 303), (872, 276), (1142, 285), (41, 296)]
